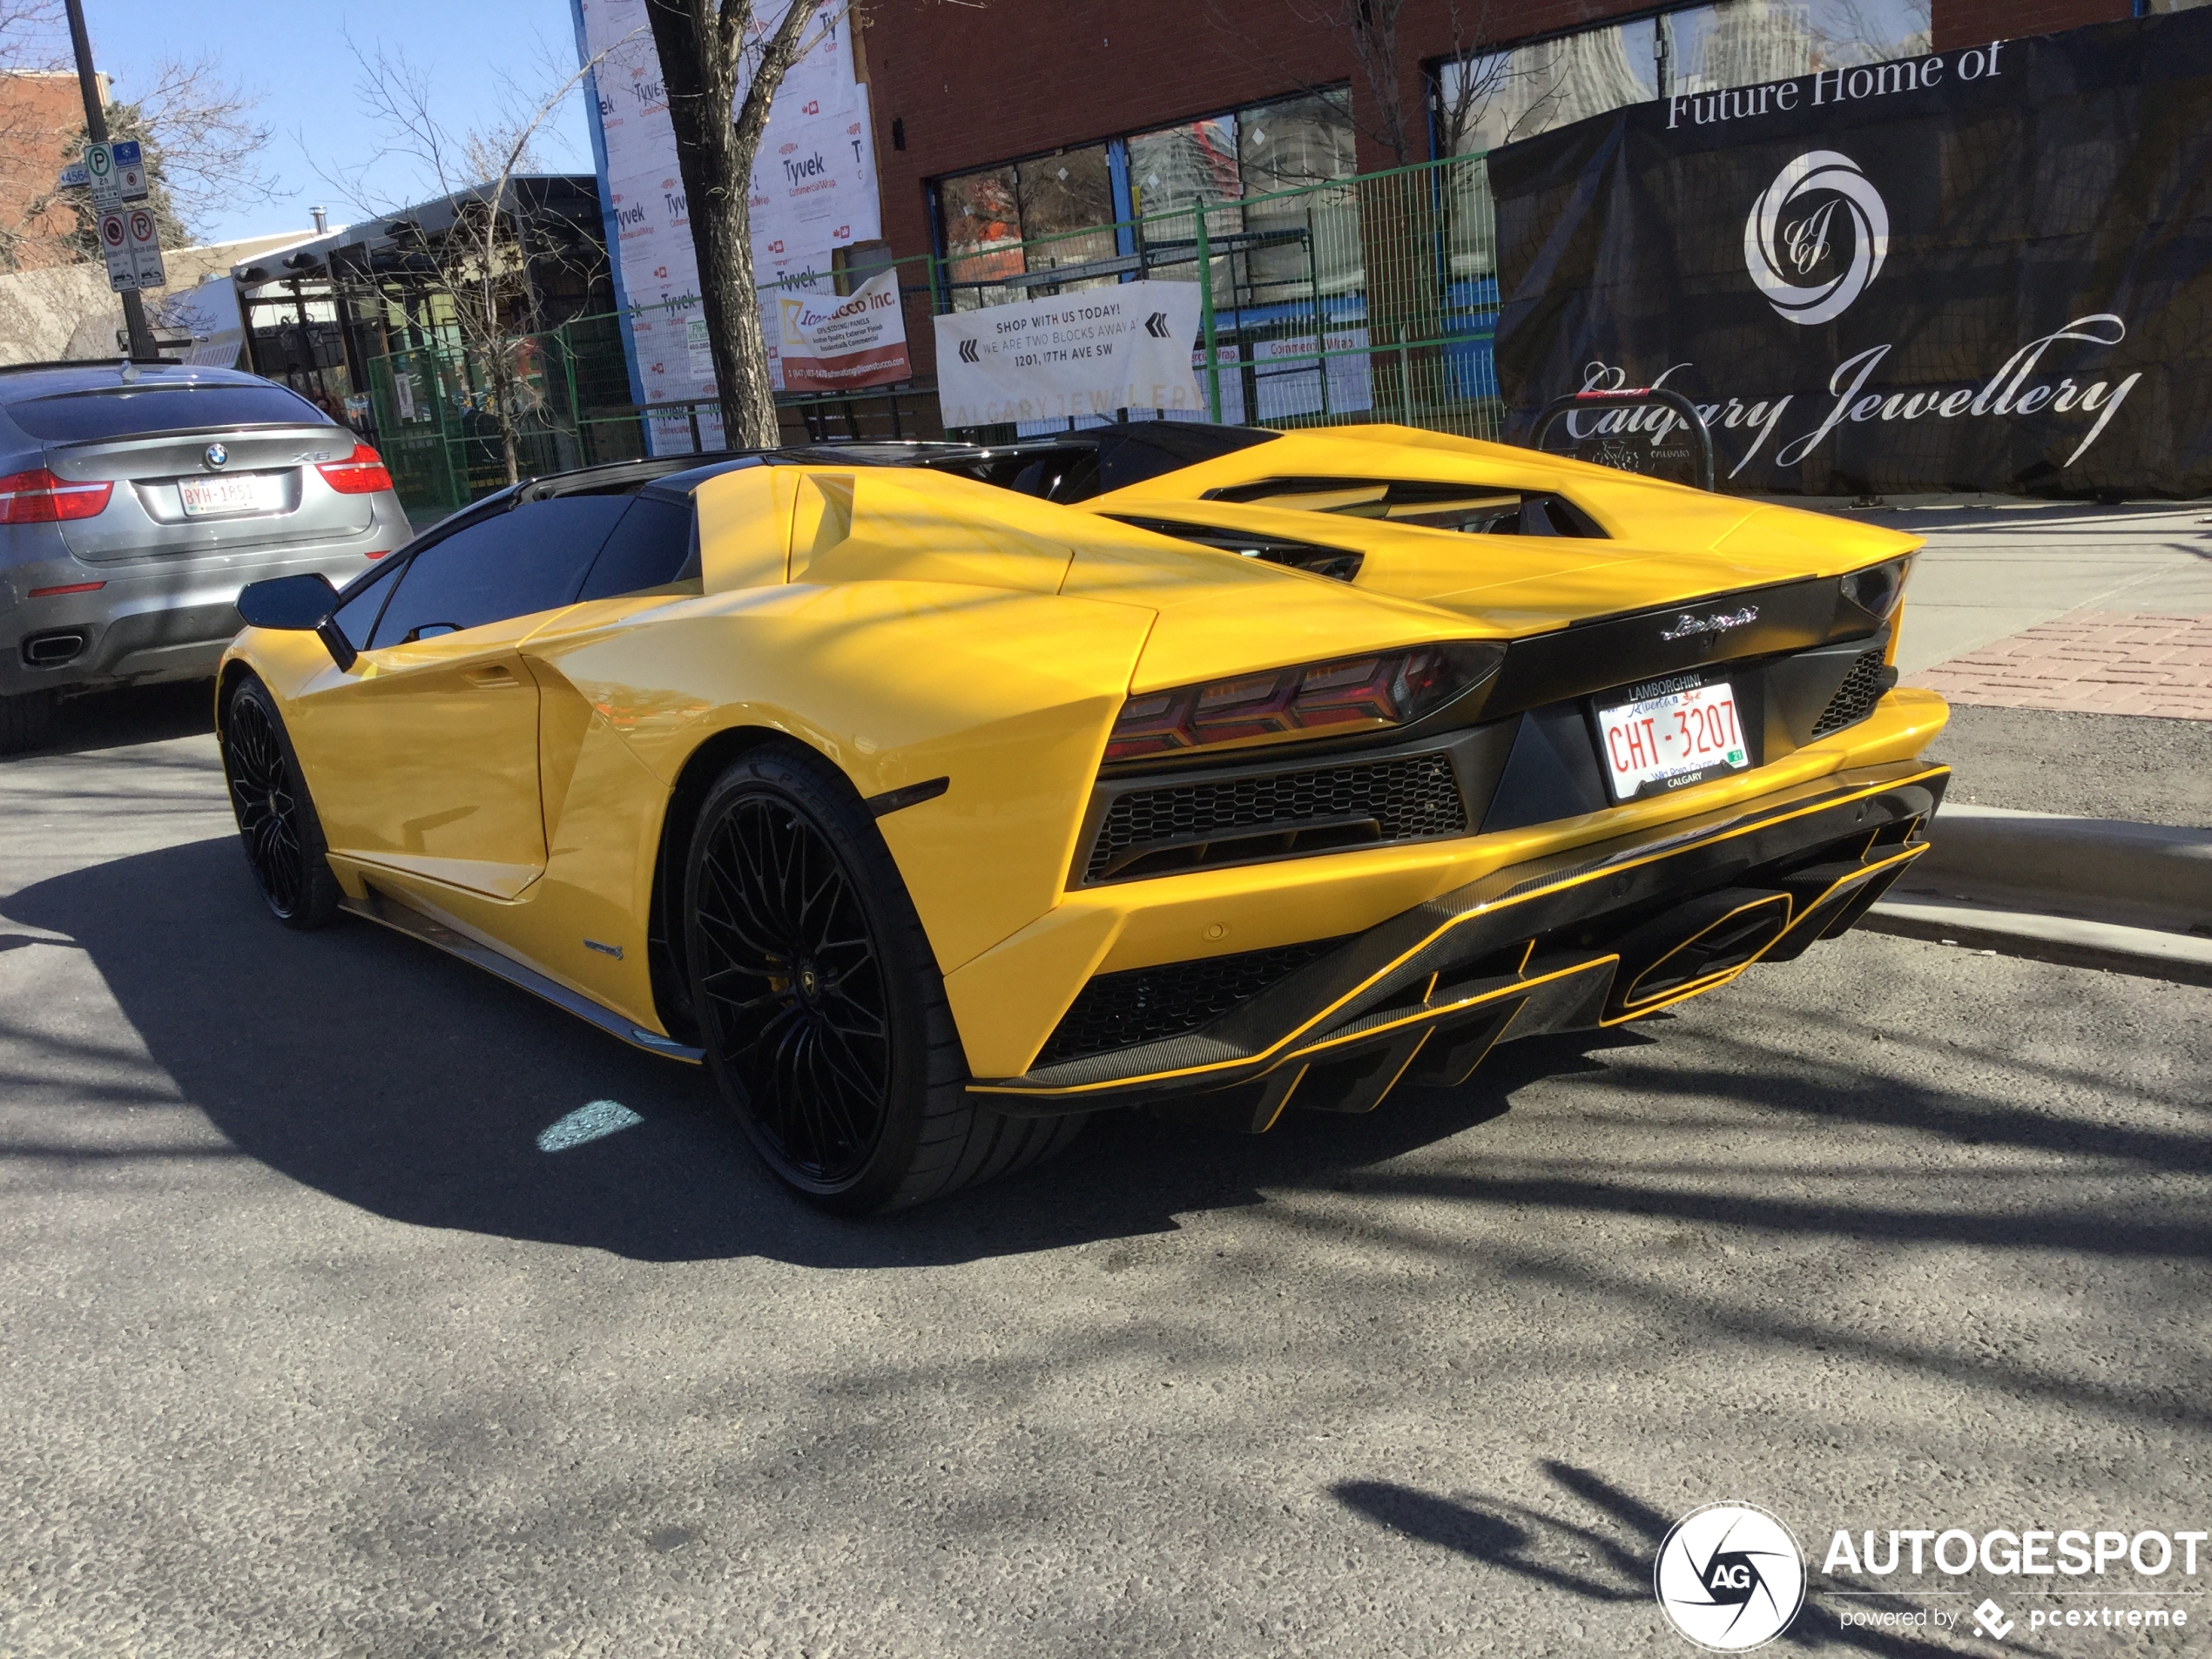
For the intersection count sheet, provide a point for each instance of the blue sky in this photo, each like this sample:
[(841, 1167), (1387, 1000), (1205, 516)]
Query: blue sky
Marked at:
[(294, 56)]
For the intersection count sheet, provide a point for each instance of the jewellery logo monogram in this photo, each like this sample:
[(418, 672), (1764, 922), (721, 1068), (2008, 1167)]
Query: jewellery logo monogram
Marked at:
[(1782, 251)]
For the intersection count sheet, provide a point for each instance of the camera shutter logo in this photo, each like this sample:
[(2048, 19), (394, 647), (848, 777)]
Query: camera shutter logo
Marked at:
[(1798, 222), (1730, 1577)]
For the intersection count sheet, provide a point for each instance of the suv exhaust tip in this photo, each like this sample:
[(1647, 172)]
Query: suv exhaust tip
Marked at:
[(53, 650)]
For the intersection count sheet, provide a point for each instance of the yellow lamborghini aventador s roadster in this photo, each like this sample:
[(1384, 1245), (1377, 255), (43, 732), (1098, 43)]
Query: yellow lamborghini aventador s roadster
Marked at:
[(936, 796)]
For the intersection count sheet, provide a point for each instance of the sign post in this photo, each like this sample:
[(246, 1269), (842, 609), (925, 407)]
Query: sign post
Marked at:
[(134, 311)]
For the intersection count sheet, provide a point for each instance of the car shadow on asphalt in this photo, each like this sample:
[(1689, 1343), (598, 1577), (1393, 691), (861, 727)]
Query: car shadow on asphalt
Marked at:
[(130, 715), (373, 1069)]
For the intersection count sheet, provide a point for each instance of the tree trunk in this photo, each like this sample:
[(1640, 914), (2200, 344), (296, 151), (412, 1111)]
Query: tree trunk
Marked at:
[(699, 64)]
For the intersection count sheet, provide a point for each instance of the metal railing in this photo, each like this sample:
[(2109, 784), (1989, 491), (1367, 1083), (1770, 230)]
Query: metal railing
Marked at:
[(1354, 300)]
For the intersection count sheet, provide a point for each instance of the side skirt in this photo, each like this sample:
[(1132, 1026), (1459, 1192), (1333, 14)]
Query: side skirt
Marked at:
[(389, 913)]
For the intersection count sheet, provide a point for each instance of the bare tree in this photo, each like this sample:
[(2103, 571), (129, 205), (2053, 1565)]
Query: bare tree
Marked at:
[(480, 264), (711, 53), (31, 43), (196, 129)]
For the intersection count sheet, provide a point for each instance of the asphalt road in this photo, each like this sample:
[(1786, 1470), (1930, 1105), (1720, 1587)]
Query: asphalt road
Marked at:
[(307, 1347), (2091, 766)]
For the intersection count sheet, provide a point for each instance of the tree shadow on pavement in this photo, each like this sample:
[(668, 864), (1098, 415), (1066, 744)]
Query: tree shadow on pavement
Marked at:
[(1610, 1561)]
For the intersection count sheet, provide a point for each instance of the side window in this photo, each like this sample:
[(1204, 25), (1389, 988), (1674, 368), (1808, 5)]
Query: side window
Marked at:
[(528, 559), (357, 614), (649, 549)]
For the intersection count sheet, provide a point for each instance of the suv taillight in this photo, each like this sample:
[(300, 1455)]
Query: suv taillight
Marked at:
[(38, 497), (362, 473)]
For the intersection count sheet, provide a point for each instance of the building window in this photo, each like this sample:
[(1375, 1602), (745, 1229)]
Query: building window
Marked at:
[(1185, 166), (1036, 215), (1295, 142), (1741, 43), (982, 220), (1496, 97)]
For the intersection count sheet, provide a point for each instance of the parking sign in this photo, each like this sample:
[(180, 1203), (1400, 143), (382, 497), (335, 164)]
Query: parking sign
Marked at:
[(145, 249), (114, 248), (99, 170), (130, 169)]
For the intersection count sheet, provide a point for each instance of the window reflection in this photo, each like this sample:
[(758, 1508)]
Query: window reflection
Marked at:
[(983, 215), (1295, 142), (1741, 43), (1180, 166), (1500, 96)]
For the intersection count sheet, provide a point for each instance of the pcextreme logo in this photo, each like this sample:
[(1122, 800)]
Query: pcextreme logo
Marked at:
[(1794, 239), (1730, 1577)]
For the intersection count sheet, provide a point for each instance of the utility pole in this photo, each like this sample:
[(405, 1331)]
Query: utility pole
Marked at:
[(134, 309)]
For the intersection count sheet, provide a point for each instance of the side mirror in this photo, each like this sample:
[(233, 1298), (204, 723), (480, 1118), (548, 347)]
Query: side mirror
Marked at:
[(298, 603)]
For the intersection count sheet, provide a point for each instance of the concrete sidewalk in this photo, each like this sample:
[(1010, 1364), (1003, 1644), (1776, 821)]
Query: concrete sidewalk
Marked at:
[(2075, 645), (1990, 573)]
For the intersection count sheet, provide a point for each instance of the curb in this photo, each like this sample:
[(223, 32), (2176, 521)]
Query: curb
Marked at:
[(2148, 873), (2084, 892), (2144, 951)]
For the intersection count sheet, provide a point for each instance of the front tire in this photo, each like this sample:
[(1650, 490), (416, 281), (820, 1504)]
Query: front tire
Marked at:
[(276, 816), (819, 1003)]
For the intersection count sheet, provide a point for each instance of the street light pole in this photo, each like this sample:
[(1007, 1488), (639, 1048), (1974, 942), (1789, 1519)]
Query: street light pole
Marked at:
[(134, 310)]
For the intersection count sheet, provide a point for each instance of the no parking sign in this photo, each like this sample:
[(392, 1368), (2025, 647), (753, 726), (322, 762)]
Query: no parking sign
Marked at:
[(147, 271)]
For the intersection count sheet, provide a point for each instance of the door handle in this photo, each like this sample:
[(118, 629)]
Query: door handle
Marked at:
[(493, 677)]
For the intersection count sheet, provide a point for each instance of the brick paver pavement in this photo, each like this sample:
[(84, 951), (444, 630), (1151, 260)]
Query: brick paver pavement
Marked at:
[(2089, 662)]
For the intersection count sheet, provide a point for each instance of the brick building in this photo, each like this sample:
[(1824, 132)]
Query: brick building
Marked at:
[(1097, 98), (40, 112)]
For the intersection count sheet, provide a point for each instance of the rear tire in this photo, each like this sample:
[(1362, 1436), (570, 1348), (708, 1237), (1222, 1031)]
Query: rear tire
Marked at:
[(25, 720), (819, 1003), (276, 816)]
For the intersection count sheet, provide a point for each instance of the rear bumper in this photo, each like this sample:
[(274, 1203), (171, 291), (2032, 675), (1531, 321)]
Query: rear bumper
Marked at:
[(1592, 936), (150, 619)]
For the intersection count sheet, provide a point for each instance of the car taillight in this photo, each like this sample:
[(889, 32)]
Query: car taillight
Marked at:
[(362, 473), (1347, 694), (1876, 588), (38, 497)]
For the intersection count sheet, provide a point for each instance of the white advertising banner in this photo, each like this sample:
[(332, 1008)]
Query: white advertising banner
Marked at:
[(1085, 353), (813, 190), (831, 342)]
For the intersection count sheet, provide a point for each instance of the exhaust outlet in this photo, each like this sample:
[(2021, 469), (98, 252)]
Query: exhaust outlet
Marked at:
[(1696, 947), (51, 651)]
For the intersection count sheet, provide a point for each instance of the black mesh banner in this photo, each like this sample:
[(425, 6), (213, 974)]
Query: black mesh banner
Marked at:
[(1988, 268)]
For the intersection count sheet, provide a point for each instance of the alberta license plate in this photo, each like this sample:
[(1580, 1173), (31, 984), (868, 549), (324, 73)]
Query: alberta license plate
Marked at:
[(1677, 736), (202, 497)]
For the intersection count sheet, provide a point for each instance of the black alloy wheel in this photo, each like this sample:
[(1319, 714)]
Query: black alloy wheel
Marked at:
[(818, 999), (791, 970), (276, 819)]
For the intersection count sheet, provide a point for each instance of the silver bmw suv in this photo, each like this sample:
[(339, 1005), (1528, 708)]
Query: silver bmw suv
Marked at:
[(137, 499)]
